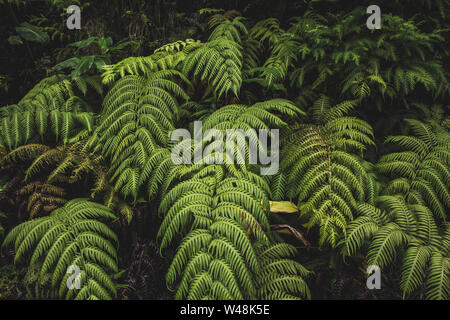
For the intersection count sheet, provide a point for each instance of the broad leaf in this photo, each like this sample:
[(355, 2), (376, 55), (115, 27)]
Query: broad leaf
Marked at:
[(32, 33)]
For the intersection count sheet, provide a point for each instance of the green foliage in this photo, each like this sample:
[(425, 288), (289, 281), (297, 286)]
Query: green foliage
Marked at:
[(226, 250), (164, 58), (414, 226), (333, 89), (32, 33), (421, 170), (177, 46), (138, 114), (323, 170), (81, 65), (61, 166), (221, 215), (316, 51), (70, 164), (50, 109), (71, 236), (11, 287), (219, 61)]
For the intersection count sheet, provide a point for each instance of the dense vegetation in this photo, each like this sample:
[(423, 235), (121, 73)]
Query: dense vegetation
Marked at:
[(87, 178)]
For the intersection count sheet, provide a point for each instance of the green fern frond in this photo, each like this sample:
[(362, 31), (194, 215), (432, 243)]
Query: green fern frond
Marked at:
[(71, 236), (219, 222)]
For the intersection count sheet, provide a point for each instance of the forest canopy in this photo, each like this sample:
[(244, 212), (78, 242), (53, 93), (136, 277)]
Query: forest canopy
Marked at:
[(357, 121)]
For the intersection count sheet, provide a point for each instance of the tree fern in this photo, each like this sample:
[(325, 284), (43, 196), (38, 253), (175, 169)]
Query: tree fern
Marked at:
[(219, 224), (324, 173), (422, 168), (219, 61), (71, 236), (42, 197), (137, 117), (414, 226), (168, 57), (50, 108)]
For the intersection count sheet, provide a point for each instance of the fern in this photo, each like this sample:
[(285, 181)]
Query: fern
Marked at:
[(137, 117), (220, 17), (50, 108), (219, 61), (176, 46), (414, 225), (219, 216), (42, 197), (323, 172), (168, 57), (71, 236), (422, 169)]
